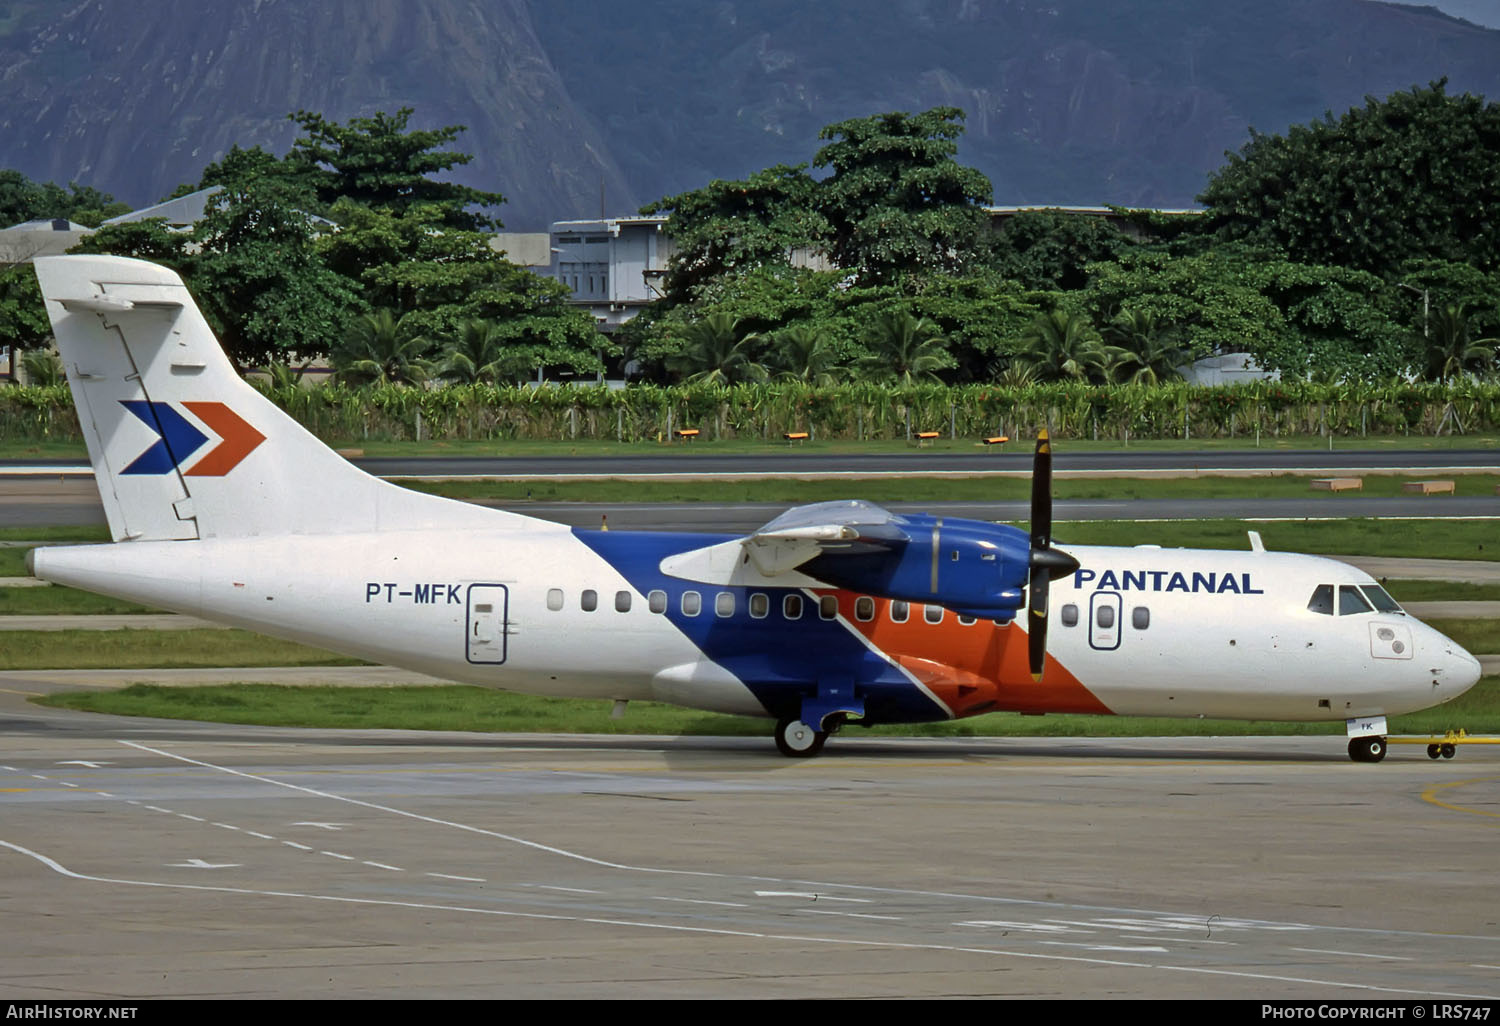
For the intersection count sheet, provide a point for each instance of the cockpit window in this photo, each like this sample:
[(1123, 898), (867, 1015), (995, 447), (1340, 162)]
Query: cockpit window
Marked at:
[(1351, 601), (1380, 598), (1322, 600)]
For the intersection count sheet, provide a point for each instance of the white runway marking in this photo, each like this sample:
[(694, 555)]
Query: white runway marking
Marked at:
[(570, 890), (850, 915), (815, 896), (382, 865), (1160, 919), (334, 854), (465, 879), (852, 942), (1353, 954), (700, 901)]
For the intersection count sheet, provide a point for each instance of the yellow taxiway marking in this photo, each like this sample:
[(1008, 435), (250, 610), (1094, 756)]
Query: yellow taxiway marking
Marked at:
[(1430, 795)]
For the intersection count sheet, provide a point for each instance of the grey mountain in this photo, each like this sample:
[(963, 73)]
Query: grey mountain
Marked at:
[(573, 106)]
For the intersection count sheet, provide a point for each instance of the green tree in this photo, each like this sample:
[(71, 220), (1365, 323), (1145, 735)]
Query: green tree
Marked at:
[(475, 353), (150, 239), (728, 227), (377, 162), (718, 352), (23, 315), (1450, 348), (905, 349), (896, 201), (379, 348), (1051, 250), (1064, 346), (22, 199), (1148, 349), (803, 353), (1401, 178), (260, 281)]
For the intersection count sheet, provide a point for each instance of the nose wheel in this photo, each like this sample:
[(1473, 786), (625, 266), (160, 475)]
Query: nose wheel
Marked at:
[(1367, 749), (798, 740)]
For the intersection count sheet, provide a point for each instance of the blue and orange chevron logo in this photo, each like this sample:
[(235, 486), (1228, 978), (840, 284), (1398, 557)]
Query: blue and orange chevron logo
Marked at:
[(178, 439)]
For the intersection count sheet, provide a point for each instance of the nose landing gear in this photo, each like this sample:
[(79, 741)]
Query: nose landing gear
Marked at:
[(1370, 748)]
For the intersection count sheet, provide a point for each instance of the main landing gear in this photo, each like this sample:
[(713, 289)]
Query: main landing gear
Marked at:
[(1370, 748), (798, 740)]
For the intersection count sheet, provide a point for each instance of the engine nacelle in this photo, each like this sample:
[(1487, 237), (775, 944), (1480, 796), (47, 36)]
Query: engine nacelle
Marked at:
[(972, 567)]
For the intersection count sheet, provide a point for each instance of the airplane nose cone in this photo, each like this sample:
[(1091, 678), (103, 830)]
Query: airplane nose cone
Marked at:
[(1466, 669)]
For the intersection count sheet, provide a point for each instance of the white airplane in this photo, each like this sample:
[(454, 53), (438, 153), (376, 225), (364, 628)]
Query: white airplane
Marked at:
[(222, 506)]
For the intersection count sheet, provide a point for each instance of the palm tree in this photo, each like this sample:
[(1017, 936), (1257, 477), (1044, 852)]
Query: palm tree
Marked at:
[(379, 348), (906, 349), (475, 353), (1147, 346), (716, 354), (42, 367), (1063, 345), (803, 354), (1450, 351)]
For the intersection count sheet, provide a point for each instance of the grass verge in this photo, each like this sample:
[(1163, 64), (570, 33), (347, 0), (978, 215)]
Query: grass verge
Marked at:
[(152, 649), (464, 708)]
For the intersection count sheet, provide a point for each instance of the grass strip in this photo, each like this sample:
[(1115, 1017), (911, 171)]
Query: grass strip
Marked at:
[(465, 708), (1442, 591), (60, 601), (152, 649)]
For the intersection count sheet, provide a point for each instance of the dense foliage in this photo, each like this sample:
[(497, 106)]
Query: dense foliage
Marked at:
[(1356, 250)]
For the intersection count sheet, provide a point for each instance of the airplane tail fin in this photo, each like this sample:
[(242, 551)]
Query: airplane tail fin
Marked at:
[(181, 446)]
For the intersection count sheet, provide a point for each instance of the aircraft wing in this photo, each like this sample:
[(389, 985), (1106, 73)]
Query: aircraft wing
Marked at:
[(844, 527)]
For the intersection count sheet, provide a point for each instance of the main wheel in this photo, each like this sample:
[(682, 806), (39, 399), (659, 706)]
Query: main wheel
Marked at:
[(1433, 751), (1367, 749), (1449, 751), (798, 740)]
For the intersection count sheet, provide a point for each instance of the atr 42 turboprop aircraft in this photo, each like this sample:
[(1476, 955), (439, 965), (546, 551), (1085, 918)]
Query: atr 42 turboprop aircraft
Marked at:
[(222, 506)]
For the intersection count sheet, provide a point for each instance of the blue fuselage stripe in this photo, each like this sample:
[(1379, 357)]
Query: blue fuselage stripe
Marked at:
[(781, 661)]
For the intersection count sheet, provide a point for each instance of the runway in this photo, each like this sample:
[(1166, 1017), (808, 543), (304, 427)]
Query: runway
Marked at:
[(145, 859)]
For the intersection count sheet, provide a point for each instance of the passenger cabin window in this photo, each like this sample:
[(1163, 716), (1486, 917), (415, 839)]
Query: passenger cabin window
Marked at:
[(967, 621), (622, 601), (1070, 615), (657, 601), (1322, 600), (759, 605), (589, 600), (900, 611), (554, 599), (1105, 616), (1140, 618), (864, 609), (932, 614), (828, 607), (1351, 601), (1380, 599), (724, 604), (692, 603), (791, 607)]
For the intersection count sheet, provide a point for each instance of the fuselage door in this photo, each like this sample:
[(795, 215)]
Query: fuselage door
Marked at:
[(1104, 620), (488, 623)]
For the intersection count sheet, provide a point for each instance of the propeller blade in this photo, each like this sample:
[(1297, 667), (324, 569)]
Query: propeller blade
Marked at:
[(1047, 563), (1041, 492), (1036, 623)]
